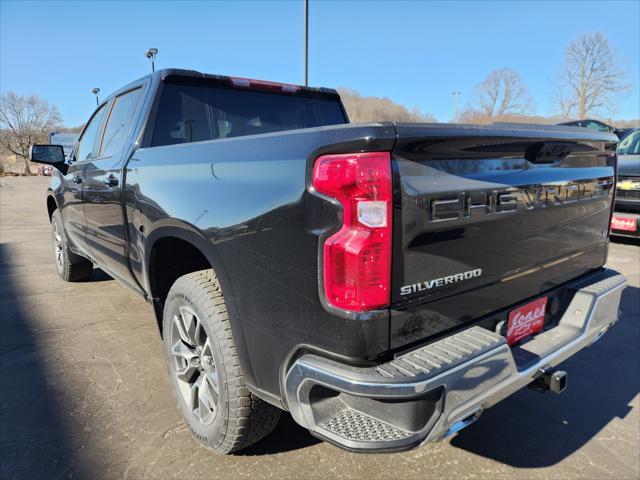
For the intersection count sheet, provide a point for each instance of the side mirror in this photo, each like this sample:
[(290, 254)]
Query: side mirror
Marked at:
[(50, 154)]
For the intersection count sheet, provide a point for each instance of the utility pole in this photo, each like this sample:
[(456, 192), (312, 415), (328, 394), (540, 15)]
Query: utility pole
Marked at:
[(455, 105), (96, 92), (306, 43), (151, 55)]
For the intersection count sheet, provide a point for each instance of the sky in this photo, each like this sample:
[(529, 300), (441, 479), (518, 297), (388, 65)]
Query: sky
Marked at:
[(416, 53)]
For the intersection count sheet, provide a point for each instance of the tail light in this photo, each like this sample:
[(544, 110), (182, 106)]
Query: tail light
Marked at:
[(357, 259)]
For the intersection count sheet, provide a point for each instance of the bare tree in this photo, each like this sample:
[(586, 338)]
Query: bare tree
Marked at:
[(502, 93), (24, 121), (591, 78), (376, 109)]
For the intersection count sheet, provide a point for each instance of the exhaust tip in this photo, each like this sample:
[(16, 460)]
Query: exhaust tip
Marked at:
[(461, 424)]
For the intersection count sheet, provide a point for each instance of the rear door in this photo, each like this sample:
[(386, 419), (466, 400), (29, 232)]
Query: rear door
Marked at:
[(486, 217), (72, 210), (103, 187)]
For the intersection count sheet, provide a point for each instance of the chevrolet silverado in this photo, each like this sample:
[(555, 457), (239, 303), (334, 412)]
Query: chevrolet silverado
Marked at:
[(385, 283)]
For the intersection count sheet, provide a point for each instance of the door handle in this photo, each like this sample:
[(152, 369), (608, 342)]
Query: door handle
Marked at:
[(77, 179), (111, 181)]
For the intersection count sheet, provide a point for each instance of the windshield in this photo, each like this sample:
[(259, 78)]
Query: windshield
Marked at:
[(630, 145)]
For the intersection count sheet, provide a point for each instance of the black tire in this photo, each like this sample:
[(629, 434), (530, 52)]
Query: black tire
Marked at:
[(222, 414), (70, 267)]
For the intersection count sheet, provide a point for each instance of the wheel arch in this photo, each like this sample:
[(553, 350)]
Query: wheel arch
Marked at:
[(52, 205), (175, 250), (182, 243)]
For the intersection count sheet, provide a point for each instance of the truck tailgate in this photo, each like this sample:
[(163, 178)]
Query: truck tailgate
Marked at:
[(486, 217)]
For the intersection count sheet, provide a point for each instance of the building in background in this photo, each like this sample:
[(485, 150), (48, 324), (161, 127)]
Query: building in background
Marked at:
[(66, 139)]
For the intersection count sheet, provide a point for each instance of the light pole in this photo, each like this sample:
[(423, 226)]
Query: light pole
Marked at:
[(306, 43), (96, 92), (151, 55), (455, 105)]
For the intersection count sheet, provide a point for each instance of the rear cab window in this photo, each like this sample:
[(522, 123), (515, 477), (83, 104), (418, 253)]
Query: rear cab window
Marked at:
[(193, 113)]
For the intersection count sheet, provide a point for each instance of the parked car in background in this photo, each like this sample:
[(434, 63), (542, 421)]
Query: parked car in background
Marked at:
[(623, 132), (589, 123), (384, 282), (45, 170), (597, 125), (626, 215)]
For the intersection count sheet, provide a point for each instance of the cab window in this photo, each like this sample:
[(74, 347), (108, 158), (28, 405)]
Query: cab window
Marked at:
[(194, 113), (117, 129), (89, 144)]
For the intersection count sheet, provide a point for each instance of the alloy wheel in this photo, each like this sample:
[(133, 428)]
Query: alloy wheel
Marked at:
[(58, 246), (194, 364)]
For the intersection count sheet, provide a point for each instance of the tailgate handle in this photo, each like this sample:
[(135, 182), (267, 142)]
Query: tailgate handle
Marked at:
[(548, 152)]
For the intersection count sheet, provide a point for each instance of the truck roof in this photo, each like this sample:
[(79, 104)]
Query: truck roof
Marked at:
[(178, 74)]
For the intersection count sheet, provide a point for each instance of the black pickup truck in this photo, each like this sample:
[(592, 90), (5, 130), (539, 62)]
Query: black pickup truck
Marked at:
[(385, 283)]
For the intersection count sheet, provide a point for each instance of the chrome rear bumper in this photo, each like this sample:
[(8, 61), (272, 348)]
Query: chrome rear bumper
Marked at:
[(428, 393)]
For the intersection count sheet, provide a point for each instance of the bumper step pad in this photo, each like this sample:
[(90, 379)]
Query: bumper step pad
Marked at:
[(442, 355), (357, 426)]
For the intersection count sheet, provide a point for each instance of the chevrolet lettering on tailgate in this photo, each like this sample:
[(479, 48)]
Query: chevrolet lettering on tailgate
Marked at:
[(465, 205)]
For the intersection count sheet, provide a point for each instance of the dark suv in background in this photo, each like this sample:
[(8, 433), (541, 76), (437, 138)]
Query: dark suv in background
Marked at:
[(599, 126), (627, 208)]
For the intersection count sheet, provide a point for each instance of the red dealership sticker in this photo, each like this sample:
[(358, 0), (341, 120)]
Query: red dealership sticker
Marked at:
[(526, 320), (624, 223)]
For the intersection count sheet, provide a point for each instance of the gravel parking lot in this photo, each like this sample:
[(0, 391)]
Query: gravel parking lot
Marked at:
[(85, 393)]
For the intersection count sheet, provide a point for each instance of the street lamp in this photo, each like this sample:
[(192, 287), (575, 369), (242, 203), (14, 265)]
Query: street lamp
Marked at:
[(151, 55), (96, 92), (455, 105), (306, 43)]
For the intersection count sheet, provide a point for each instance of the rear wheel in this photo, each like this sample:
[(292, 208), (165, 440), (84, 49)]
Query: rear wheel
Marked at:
[(70, 267), (203, 365)]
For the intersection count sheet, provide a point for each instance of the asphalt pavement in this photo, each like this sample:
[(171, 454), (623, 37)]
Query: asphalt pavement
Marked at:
[(84, 391)]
